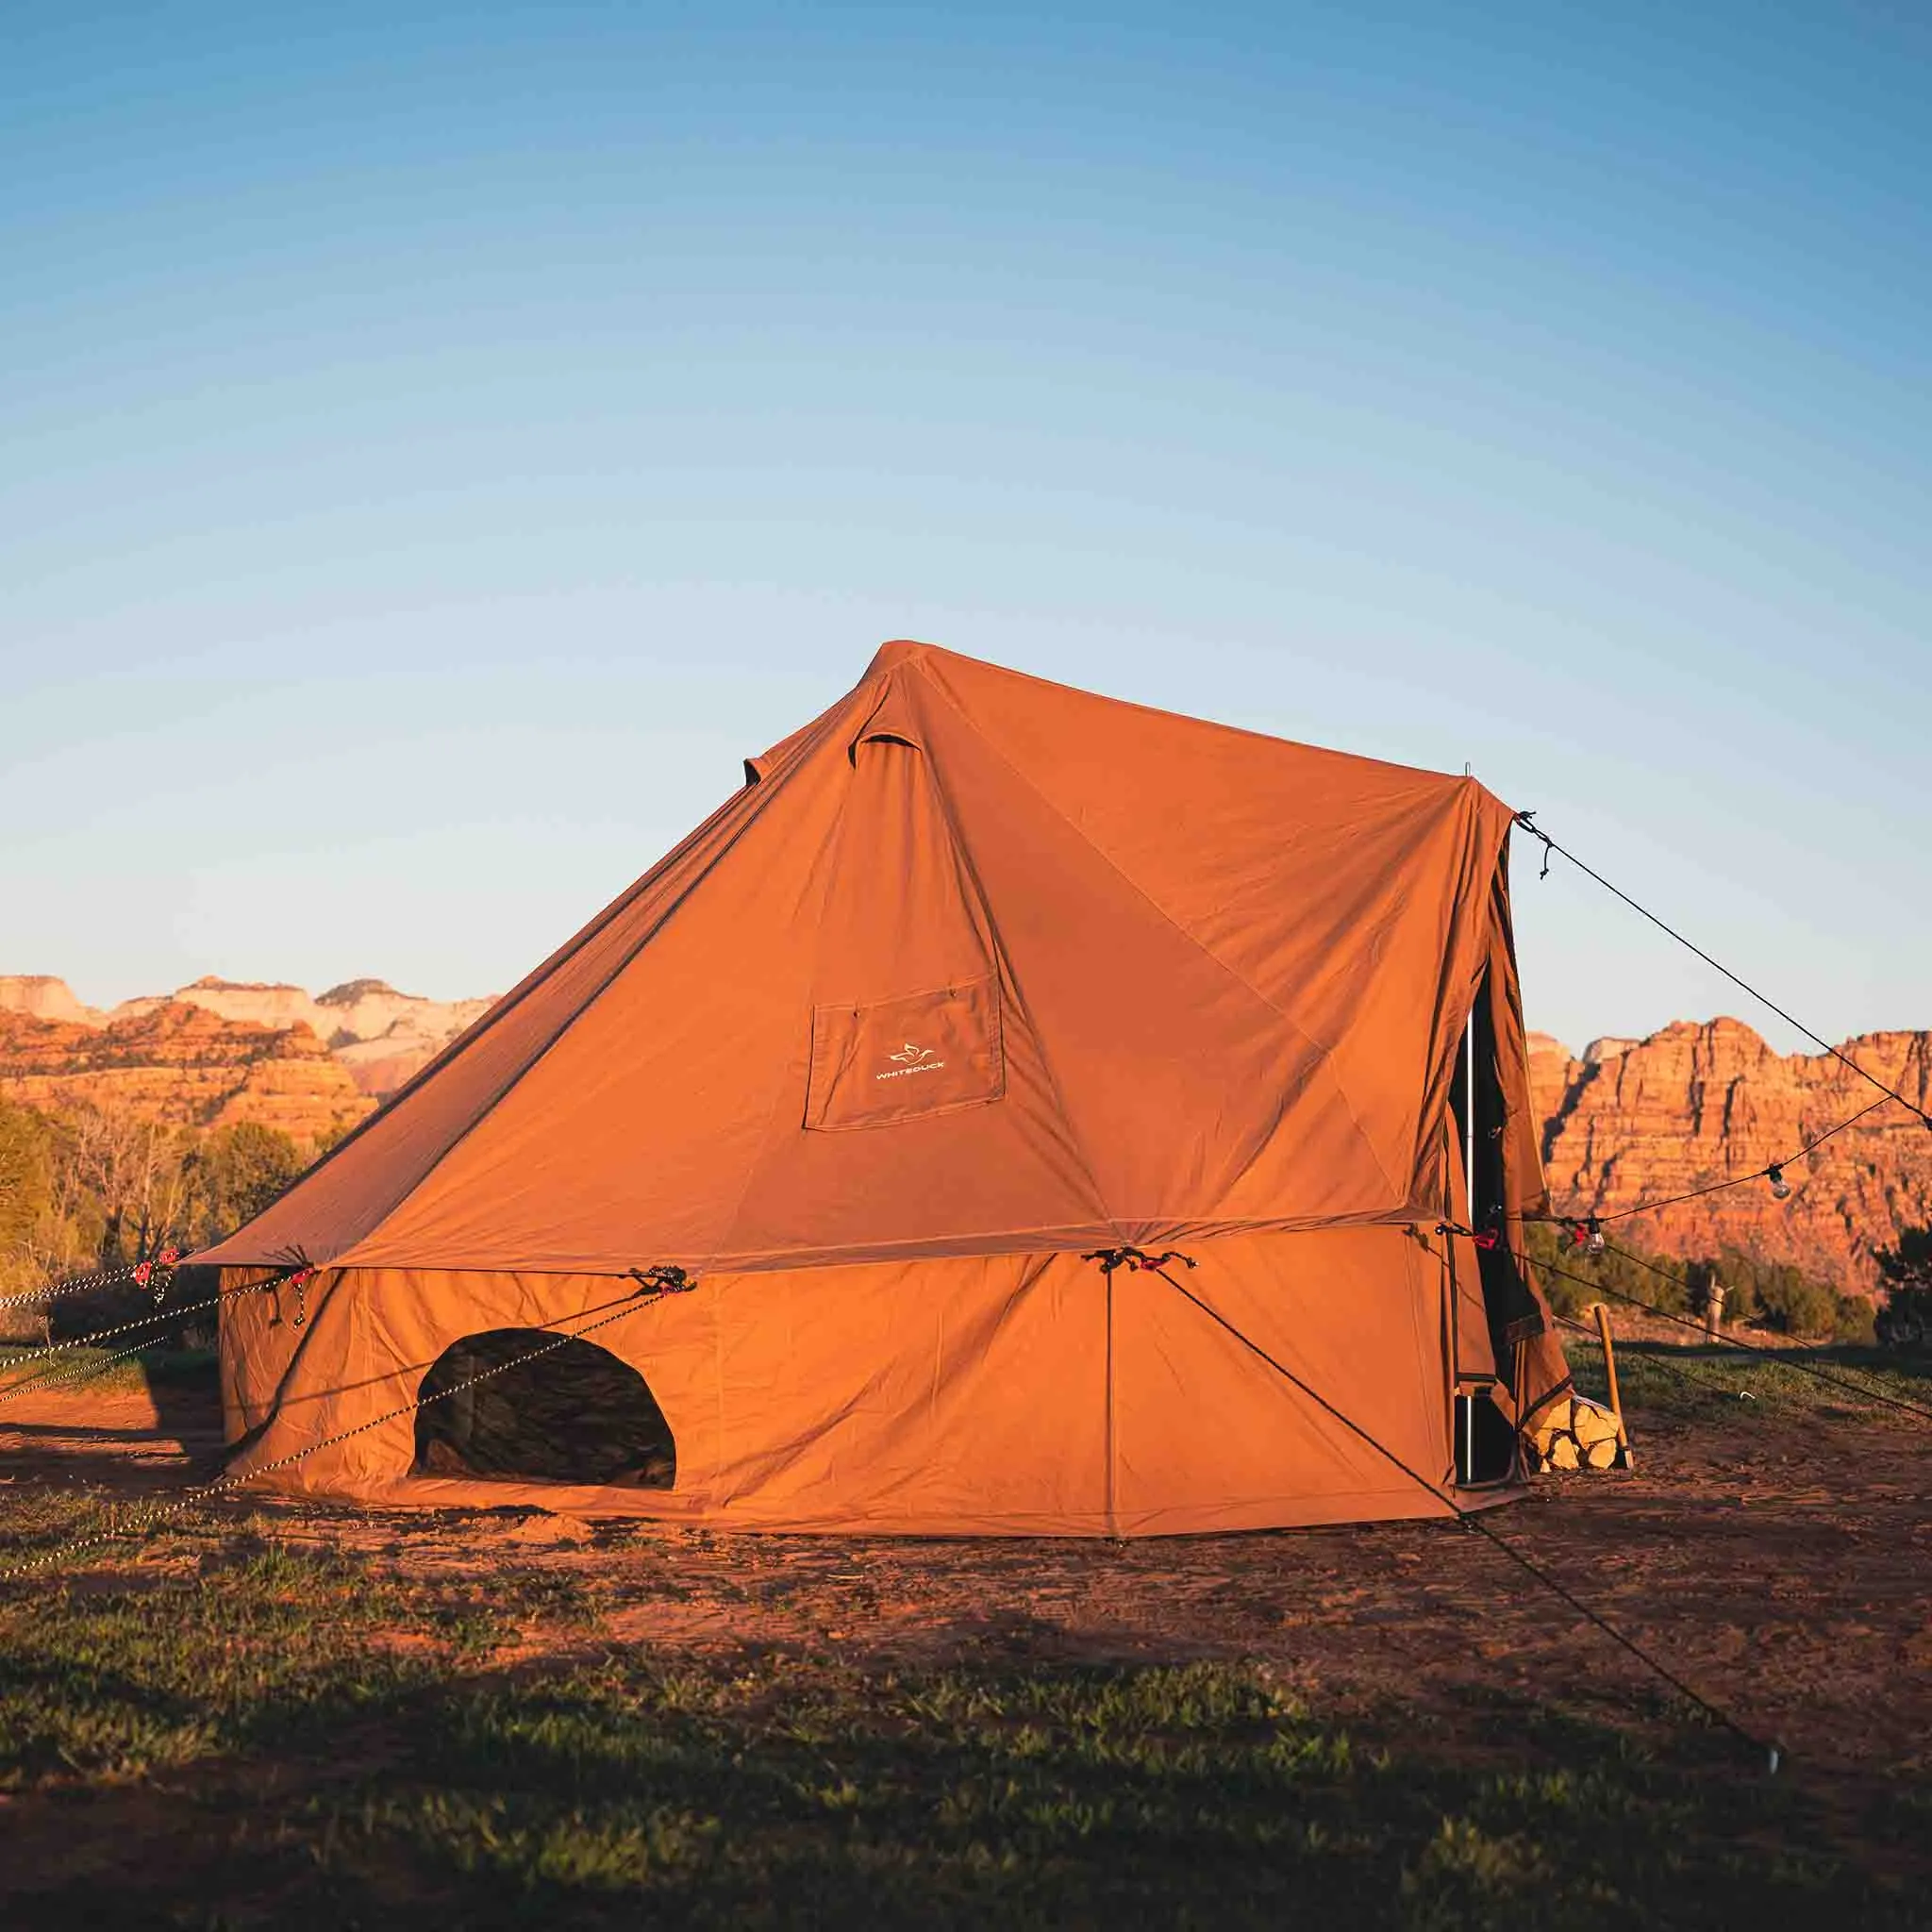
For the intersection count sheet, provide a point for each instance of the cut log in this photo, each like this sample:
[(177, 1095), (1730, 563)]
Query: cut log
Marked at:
[(1602, 1455), (1591, 1424), (1563, 1453)]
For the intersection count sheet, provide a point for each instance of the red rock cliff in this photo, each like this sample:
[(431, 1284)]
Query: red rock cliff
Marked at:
[(181, 1064), (1637, 1120)]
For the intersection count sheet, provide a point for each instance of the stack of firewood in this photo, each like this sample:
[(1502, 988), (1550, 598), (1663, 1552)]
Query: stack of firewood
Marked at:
[(1576, 1433)]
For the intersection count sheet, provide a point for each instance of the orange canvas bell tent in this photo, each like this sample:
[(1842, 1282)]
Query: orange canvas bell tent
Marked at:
[(976, 976)]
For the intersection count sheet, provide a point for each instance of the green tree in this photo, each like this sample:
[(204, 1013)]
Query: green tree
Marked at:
[(238, 1171), (1572, 1278), (1906, 1273), (26, 1191), (1784, 1297)]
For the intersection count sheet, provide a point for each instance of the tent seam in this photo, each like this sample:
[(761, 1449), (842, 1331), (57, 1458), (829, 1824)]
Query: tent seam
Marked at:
[(1484, 923), (1004, 958), (486, 1022), (887, 1254), (1193, 939), (836, 846), (761, 797)]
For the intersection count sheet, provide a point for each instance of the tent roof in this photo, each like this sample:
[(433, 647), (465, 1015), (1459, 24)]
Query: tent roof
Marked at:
[(975, 963)]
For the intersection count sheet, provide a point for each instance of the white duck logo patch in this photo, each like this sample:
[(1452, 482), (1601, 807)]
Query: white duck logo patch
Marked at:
[(910, 1059)]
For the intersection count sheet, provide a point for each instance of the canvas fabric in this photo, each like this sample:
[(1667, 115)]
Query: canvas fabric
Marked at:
[(994, 1395)]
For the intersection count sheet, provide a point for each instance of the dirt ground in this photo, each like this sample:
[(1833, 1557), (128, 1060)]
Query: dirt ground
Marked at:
[(1778, 1559), (1783, 1569)]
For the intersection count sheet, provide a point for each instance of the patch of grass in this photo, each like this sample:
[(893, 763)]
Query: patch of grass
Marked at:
[(265, 1648), (1735, 1381), (340, 1745), (98, 1368)]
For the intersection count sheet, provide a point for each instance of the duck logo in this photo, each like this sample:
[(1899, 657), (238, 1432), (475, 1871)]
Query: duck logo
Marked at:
[(910, 1059)]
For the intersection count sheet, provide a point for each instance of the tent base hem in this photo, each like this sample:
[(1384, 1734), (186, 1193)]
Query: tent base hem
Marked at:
[(1399, 1504)]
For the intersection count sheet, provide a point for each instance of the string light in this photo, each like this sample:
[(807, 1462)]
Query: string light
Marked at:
[(1737, 1180), (1780, 1187)]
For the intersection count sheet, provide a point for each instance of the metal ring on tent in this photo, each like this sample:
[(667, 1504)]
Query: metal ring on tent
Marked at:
[(160, 1271), (1135, 1259), (667, 1279)]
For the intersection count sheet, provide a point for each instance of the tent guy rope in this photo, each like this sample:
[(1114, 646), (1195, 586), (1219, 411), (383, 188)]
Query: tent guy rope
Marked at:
[(1474, 1519), (1526, 820), (161, 1512), (1688, 1372), (116, 1276), (82, 1373), (160, 1319), (1789, 1357)]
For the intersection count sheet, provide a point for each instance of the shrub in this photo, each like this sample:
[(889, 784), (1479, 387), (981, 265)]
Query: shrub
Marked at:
[(94, 1186), (1906, 1273), (1781, 1296), (240, 1171), (1572, 1280), (1794, 1305), (1856, 1321)]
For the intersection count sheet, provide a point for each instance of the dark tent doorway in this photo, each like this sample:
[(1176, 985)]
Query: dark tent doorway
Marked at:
[(573, 1414)]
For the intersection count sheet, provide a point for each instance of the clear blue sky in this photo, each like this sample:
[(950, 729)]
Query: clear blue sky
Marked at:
[(437, 442)]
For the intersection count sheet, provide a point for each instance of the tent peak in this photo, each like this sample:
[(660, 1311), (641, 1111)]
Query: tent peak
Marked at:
[(945, 668), (898, 651)]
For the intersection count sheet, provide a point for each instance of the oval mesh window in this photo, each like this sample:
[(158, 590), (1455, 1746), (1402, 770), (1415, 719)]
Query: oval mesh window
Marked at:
[(574, 1414)]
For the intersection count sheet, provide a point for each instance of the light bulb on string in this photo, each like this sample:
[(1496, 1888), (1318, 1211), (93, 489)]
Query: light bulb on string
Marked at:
[(1588, 1235), (1780, 1187)]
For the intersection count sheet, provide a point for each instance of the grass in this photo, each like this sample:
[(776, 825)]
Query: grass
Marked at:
[(1701, 1384), (23, 1364), (298, 1736)]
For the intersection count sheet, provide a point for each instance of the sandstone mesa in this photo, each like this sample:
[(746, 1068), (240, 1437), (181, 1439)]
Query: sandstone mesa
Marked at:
[(1628, 1122), (222, 1051)]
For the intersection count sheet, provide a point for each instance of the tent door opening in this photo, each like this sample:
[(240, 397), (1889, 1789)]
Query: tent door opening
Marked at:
[(574, 1414), (1485, 1440)]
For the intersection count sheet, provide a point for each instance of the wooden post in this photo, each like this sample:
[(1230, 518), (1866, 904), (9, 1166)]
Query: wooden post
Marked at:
[(1713, 1309), (1603, 1329)]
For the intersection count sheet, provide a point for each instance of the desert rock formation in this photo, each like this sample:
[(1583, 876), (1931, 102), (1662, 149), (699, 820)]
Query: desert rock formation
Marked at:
[(380, 1035), (181, 1064), (1628, 1122), (45, 998)]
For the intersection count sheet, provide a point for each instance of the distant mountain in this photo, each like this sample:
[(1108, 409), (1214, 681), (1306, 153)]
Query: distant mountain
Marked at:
[(378, 1035), (180, 1064), (43, 998), (1632, 1120)]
